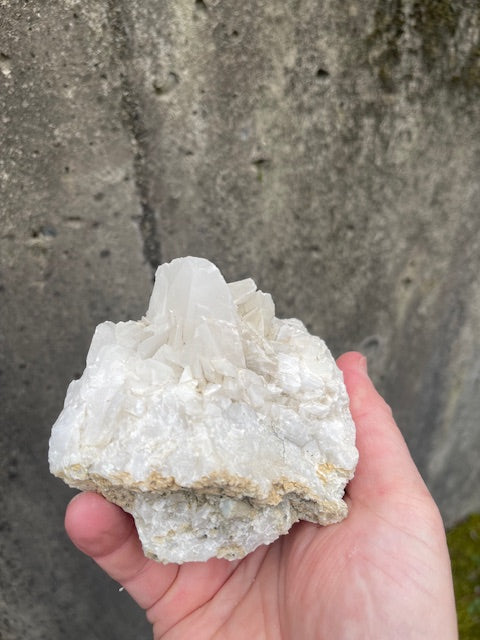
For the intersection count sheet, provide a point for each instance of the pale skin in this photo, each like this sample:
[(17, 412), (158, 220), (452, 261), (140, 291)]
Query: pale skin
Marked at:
[(382, 573)]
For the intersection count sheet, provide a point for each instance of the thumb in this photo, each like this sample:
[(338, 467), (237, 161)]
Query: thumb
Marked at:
[(385, 466)]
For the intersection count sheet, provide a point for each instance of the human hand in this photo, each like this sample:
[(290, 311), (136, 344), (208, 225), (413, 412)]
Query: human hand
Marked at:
[(382, 573)]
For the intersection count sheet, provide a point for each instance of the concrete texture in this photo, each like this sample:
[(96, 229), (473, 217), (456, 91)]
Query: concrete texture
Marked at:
[(329, 150)]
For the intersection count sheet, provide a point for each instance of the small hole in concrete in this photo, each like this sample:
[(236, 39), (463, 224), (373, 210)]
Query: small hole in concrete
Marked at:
[(168, 85), (200, 6), (322, 73), (45, 232), (105, 253), (99, 196), (370, 345), (48, 231)]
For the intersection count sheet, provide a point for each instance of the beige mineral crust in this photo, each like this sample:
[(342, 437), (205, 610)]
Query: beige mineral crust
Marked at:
[(214, 423)]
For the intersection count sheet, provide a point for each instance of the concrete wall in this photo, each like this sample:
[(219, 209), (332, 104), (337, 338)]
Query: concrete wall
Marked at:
[(331, 150)]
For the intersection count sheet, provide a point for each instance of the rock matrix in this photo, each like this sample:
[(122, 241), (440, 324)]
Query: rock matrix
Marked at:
[(211, 421)]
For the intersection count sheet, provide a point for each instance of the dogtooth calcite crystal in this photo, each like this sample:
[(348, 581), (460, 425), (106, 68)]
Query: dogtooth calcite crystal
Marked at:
[(211, 421)]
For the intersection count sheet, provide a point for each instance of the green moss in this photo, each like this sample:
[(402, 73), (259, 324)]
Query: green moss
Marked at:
[(436, 22), (469, 75), (389, 24), (464, 545)]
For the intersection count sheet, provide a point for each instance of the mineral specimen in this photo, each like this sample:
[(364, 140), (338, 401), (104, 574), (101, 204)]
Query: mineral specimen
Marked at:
[(214, 423)]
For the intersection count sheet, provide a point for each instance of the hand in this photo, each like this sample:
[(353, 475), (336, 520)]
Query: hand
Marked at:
[(383, 573)]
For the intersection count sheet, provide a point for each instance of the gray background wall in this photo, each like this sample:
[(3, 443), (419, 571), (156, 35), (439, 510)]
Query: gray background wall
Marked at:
[(330, 150)]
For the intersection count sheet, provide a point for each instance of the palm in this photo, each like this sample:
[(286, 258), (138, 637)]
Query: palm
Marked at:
[(347, 578), (383, 568)]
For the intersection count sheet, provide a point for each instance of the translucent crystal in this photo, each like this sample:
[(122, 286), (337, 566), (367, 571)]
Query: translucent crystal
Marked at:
[(214, 423)]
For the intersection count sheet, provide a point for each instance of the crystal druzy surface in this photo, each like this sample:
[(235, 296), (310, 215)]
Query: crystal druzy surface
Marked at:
[(214, 423)]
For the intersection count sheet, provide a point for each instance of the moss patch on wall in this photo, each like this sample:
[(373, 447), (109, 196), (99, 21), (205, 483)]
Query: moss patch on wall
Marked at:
[(435, 24), (383, 42), (469, 75), (464, 546), (436, 21)]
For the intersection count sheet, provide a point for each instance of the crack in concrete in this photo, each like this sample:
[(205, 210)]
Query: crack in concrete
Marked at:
[(135, 126)]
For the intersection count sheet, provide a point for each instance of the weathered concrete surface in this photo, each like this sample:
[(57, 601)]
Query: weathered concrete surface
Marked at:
[(329, 150)]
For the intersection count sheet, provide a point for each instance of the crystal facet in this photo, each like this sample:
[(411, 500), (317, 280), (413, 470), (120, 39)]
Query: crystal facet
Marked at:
[(214, 423)]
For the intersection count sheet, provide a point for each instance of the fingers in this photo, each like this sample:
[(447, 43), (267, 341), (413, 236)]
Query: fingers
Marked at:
[(168, 592), (107, 534), (385, 465)]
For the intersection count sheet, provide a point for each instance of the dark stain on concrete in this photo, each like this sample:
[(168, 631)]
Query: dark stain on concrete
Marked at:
[(132, 108)]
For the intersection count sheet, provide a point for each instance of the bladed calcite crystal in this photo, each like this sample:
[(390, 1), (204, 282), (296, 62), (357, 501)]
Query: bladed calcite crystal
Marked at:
[(214, 423)]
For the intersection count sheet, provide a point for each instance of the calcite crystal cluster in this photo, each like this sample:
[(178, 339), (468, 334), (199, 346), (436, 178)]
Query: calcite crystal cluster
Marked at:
[(214, 423)]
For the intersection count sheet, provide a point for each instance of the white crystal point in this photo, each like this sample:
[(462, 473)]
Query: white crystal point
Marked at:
[(214, 423), (192, 305)]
